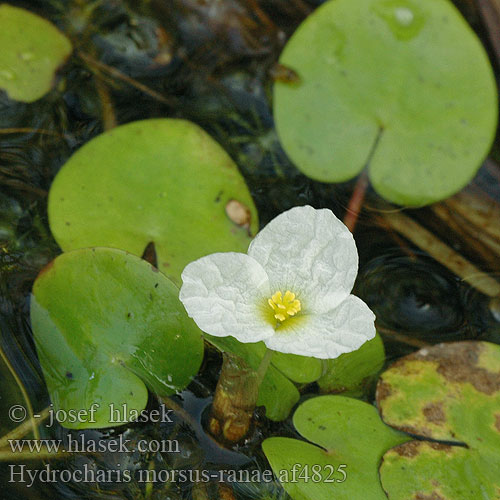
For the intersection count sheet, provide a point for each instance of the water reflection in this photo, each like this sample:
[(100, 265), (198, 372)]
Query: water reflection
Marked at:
[(414, 296)]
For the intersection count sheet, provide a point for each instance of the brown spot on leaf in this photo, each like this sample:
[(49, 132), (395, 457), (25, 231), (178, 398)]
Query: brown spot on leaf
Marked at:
[(412, 448), (417, 431), (46, 268), (383, 391), (497, 423), (434, 413), (440, 447), (457, 362), (408, 450), (284, 74), (238, 213), (431, 496), (149, 254)]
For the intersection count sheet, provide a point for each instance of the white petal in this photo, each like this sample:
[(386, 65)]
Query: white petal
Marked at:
[(311, 253), (224, 293), (327, 335)]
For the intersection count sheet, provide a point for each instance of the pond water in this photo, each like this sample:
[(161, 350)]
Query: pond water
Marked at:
[(430, 280)]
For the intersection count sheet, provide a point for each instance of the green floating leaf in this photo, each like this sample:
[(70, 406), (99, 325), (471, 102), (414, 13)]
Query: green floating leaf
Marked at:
[(448, 392), (425, 470), (163, 181), (349, 436), (32, 50), (352, 372), (276, 393), (403, 86), (106, 325)]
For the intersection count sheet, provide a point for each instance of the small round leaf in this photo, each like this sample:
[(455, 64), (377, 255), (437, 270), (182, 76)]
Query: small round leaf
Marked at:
[(164, 181), (32, 50), (106, 325)]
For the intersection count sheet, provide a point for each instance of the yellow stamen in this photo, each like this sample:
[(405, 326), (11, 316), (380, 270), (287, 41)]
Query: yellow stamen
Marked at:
[(284, 307)]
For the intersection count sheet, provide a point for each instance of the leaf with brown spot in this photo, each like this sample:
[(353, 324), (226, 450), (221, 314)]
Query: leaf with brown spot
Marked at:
[(422, 470), (152, 181), (434, 413), (445, 392), (448, 392), (238, 213)]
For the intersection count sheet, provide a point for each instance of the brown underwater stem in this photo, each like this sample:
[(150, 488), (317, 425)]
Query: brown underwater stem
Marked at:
[(235, 400)]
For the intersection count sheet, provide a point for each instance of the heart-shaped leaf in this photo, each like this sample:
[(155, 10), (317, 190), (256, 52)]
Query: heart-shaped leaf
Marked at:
[(163, 181), (401, 86), (448, 392), (106, 325), (32, 50), (350, 439)]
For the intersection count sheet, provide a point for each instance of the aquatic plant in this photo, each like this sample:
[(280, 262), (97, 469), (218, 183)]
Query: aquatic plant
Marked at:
[(108, 326), (402, 88), (399, 90), (160, 181), (447, 396), (346, 442), (32, 51)]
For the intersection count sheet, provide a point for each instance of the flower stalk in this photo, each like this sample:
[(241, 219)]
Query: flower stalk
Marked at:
[(264, 365)]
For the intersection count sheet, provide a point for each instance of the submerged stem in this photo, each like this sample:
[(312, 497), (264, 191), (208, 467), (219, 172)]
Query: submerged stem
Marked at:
[(234, 401), (236, 397), (356, 202), (24, 393)]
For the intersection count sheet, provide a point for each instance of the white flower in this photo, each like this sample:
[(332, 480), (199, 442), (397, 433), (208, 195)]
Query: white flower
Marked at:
[(292, 290)]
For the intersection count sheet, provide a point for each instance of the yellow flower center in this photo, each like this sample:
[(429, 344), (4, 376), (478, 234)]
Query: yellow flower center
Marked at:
[(284, 306)]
